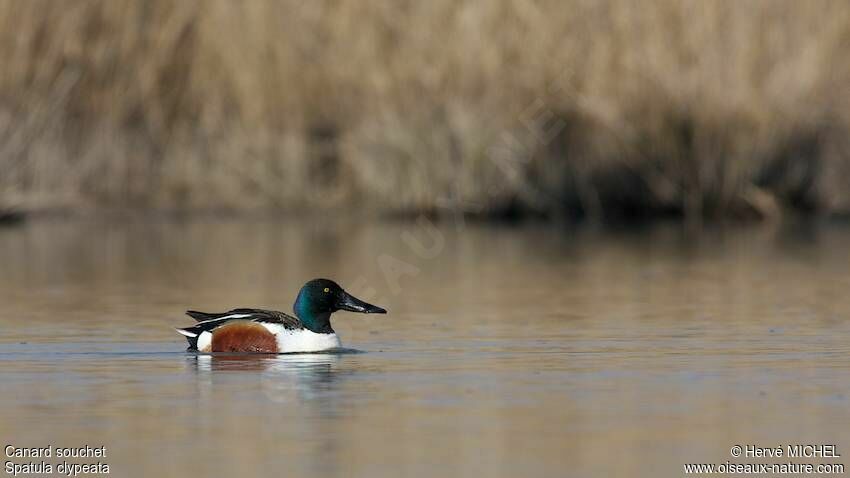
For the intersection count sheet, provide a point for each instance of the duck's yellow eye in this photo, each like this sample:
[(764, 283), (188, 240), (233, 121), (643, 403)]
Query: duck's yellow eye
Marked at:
[(327, 289)]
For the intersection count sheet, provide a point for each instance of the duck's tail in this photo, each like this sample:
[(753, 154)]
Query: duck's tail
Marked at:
[(191, 334)]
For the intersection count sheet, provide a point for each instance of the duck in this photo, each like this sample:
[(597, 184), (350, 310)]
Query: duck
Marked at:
[(273, 332)]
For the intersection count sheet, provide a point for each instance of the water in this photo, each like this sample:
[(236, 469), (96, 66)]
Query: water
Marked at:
[(507, 351)]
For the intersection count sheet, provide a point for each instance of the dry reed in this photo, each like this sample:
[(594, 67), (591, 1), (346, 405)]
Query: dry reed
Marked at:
[(598, 108)]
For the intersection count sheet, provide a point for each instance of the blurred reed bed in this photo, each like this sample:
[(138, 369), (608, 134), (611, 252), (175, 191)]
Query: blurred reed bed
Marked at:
[(608, 108)]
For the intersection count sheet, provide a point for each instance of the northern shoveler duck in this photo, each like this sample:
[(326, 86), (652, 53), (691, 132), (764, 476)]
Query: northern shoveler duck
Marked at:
[(270, 331)]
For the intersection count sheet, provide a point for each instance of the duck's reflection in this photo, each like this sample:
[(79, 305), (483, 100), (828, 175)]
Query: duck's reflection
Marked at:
[(301, 377), (287, 378)]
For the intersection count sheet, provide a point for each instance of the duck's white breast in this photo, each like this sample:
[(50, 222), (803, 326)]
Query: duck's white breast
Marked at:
[(301, 340)]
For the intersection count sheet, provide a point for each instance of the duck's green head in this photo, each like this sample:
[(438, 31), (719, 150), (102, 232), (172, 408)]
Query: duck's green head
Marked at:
[(319, 298)]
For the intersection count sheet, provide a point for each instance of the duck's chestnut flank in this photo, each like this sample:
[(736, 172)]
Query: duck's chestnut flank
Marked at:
[(244, 336)]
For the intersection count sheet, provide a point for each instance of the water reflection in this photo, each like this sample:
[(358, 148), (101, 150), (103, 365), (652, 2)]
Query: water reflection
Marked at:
[(223, 362), (284, 378), (301, 377)]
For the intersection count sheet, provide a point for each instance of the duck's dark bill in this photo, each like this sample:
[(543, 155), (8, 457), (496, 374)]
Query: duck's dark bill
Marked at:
[(349, 302)]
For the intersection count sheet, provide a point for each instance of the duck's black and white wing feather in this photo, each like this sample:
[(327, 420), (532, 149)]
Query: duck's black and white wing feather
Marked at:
[(207, 321)]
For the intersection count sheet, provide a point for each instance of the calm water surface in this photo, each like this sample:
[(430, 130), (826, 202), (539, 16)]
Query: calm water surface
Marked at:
[(507, 351)]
